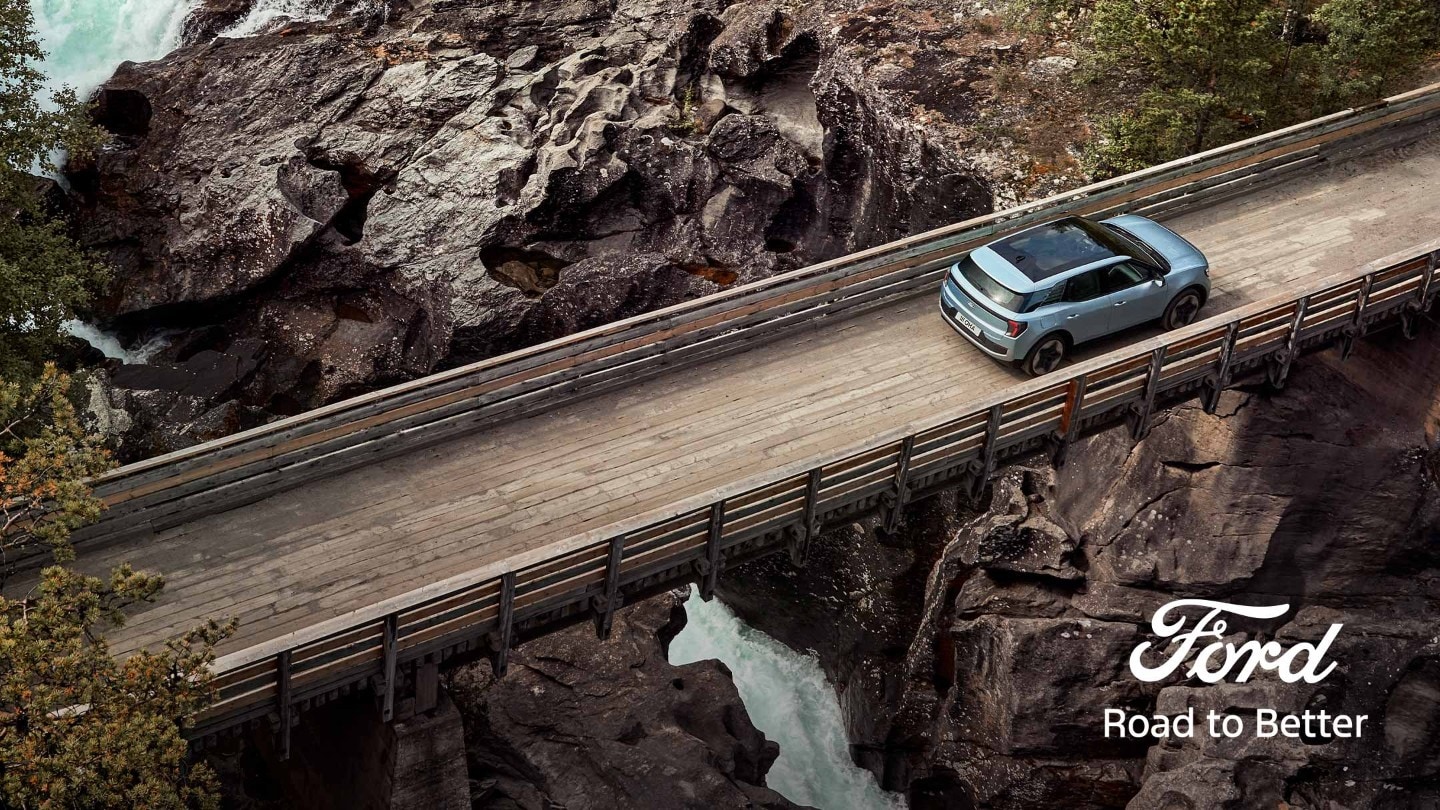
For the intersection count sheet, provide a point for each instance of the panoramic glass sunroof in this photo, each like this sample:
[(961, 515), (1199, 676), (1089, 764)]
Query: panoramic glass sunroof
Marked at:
[(1053, 248)]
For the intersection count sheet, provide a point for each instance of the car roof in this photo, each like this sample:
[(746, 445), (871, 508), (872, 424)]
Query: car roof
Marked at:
[(1033, 258)]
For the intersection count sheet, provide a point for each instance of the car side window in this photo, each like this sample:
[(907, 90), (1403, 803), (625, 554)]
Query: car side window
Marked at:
[(1083, 287), (1050, 295), (1121, 276)]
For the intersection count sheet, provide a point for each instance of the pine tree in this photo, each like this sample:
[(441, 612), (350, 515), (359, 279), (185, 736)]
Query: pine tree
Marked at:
[(44, 277)]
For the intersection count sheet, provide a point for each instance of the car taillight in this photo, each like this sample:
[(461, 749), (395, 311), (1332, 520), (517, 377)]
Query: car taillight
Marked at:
[(1016, 328)]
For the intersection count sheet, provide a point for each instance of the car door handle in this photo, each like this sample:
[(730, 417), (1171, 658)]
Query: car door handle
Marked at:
[(1119, 303), (1072, 316)]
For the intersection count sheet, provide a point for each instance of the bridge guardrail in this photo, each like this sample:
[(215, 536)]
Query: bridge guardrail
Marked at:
[(167, 490), (589, 576)]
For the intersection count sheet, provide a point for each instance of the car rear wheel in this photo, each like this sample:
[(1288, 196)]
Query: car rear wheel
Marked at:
[(1183, 310), (1045, 356)]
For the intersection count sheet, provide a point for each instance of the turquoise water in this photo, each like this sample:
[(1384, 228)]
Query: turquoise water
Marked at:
[(788, 698), (85, 40)]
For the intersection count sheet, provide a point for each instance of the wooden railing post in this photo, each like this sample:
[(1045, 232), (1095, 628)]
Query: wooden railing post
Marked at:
[(1279, 369), (992, 435), (388, 670), (604, 605), (806, 531), (895, 499), (710, 571), (1147, 401), (1410, 318), (505, 632), (282, 700), (1357, 324), (1070, 419)]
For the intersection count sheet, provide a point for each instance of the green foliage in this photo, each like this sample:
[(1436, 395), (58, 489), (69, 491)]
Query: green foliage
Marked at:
[(44, 277), (79, 729), (1370, 46), (1212, 71), (45, 459), (686, 119)]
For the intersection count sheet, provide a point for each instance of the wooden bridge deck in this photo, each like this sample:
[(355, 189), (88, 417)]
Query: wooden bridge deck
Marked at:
[(329, 547)]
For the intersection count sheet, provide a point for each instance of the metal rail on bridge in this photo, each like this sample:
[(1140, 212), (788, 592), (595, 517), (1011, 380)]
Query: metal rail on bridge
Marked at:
[(486, 610), (218, 475)]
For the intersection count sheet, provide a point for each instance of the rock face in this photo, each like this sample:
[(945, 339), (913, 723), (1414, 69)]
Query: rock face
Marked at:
[(580, 723), (411, 185), (1321, 497)]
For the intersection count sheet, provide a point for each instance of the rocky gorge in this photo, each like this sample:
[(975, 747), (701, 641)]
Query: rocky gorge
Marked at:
[(333, 205), (976, 649)]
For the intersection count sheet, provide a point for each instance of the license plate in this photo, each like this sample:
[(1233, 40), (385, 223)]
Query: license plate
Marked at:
[(965, 322)]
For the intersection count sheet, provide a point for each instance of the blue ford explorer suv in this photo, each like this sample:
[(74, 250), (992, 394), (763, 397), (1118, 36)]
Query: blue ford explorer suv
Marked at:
[(1033, 296)]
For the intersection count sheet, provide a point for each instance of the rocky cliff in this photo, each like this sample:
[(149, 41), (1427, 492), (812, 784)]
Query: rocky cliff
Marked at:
[(333, 206), (581, 723), (1020, 618)]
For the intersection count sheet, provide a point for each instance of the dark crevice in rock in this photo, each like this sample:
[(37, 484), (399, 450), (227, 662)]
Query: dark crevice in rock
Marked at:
[(361, 184), (122, 112), (529, 271), (1191, 466)]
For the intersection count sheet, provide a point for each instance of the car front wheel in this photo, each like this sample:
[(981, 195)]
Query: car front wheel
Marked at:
[(1045, 356), (1182, 310)]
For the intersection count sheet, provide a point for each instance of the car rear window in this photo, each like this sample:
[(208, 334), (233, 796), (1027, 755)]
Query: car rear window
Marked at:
[(1004, 296), (990, 288)]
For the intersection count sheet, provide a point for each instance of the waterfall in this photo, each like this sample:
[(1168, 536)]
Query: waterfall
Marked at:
[(266, 13), (790, 699), (84, 40)]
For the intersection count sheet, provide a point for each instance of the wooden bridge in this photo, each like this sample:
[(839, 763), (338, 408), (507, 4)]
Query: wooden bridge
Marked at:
[(366, 543)]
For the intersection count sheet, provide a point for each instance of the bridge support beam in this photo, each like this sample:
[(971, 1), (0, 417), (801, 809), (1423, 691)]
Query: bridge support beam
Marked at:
[(1217, 383), (282, 699), (709, 568), (1147, 402), (605, 605), (504, 635), (802, 535), (427, 684), (1070, 420), (1278, 370), (987, 466), (896, 497), (389, 667), (1357, 324)]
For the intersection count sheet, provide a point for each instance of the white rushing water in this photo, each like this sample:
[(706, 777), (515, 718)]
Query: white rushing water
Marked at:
[(267, 13), (111, 347), (85, 40), (788, 698)]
